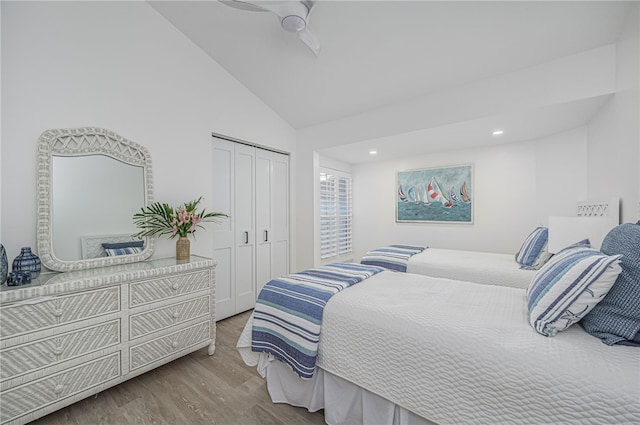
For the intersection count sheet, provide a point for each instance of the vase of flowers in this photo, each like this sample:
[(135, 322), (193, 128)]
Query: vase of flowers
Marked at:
[(160, 219)]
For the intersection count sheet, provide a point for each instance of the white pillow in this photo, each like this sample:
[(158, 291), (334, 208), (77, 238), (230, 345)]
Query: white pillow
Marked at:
[(568, 286)]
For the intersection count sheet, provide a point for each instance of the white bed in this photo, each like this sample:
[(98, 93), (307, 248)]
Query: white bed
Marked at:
[(400, 348), (473, 266), (592, 221)]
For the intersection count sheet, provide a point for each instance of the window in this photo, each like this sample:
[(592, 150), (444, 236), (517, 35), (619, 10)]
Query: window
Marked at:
[(335, 213)]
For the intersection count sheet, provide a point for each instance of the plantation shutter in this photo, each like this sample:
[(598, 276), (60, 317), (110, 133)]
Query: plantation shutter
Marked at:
[(335, 214)]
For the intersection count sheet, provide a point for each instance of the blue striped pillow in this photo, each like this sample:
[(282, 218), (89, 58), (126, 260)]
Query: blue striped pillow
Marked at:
[(533, 253), (123, 251), (125, 244), (568, 286)]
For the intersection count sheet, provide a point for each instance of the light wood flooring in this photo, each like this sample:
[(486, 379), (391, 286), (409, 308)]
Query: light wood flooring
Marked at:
[(195, 389)]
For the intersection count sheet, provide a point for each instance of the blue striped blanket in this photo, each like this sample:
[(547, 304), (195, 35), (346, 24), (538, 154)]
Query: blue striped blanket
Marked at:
[(393, 257), (288, 315)]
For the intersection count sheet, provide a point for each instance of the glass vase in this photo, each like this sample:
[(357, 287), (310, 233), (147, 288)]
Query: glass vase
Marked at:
[(4, 265), (27, 261)]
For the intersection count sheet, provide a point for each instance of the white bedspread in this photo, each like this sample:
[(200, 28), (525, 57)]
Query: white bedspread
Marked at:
[(456, 352), (471, 266)]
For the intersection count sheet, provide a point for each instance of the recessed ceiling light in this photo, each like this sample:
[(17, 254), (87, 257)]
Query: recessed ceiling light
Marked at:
[(497, 132), (373, 152)]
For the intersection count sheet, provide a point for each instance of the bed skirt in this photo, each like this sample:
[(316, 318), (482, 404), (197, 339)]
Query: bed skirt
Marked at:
[(343, 402)]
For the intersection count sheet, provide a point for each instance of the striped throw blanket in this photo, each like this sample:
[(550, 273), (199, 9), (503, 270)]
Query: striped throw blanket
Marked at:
[(288, 315), (392, 257)]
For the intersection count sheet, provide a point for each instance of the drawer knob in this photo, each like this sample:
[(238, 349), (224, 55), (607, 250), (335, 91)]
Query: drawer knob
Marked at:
[(176, 315), (58, 350), (175, 344), (58, 389), (57, 313), (175, 286)]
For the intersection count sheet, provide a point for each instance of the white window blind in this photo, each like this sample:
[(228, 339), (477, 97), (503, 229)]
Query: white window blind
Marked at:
[(335, 213)]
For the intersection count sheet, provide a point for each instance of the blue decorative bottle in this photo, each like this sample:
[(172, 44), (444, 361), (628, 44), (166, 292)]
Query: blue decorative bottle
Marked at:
[(27, 261), (4, 265)]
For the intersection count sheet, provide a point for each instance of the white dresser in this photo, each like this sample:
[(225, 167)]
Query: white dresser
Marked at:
[(71, 335)]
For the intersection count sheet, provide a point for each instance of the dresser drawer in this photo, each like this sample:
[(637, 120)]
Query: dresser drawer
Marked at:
[(168, 287), (26, 398), (150, 321), (29, 357), (21, 318), (154, 350)]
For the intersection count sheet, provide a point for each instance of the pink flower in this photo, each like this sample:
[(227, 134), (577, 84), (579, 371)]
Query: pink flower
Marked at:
[(192, 229), (196, 219), (174, 230)]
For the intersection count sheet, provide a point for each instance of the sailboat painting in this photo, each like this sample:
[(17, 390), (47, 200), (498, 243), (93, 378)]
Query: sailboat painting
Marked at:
[(438, 195)]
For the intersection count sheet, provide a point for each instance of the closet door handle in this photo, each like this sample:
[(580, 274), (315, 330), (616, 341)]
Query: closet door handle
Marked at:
[(266, 236), (246, 237)]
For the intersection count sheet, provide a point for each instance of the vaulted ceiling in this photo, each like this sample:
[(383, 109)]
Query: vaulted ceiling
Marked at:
[(381, 53)]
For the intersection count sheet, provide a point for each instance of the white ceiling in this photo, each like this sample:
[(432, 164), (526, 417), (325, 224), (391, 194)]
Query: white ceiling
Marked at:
[(379, 53)]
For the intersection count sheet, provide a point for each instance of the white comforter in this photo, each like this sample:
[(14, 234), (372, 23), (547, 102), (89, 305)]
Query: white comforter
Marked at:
[(456, 352), (471, 266)]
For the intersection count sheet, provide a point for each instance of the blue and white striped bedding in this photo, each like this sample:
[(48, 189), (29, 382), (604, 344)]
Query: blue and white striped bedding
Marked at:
[(392, 257), (288, 314)]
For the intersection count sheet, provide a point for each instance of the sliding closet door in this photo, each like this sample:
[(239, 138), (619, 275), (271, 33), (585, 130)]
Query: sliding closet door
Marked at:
[(245, 289), (223, 231), (272, 216)]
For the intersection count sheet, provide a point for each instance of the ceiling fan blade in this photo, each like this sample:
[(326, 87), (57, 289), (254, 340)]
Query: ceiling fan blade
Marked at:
[(310, 40), (293, 14)]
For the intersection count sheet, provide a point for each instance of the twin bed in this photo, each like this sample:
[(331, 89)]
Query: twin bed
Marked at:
[(593, 221), (487, 268), (404, 348)]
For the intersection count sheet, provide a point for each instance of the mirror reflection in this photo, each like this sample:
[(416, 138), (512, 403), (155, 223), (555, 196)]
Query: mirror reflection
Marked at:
[(93, 200)]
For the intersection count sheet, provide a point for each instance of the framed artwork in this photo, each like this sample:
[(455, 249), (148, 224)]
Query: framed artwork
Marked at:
[(437, 195)]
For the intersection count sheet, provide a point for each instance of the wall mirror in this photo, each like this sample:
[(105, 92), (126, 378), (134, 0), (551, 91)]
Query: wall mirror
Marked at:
[(90, 183)]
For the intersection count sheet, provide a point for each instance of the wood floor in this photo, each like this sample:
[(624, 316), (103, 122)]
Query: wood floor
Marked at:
[(195, 389)]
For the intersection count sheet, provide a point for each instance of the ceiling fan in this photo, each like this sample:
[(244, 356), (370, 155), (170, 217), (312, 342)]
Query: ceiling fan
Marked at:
[(293, 16)]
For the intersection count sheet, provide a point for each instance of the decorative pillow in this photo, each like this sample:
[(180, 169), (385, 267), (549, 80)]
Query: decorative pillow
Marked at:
[(617, 317), (123, 251), (533, 253), (635, 342), (127, 244), (568, 286)]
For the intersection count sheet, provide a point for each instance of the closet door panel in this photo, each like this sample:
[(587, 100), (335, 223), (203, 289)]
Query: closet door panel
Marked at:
[(223, 231), (280, 231), (264, 217), (245, 289)]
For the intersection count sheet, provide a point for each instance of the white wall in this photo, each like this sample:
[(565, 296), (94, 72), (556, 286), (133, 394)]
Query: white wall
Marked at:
[(614, 134), (121, 66), (587, 75), (554, 172), (516, 187)]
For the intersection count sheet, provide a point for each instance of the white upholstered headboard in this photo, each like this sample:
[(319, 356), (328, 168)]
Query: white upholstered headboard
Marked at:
[(593, 220)]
